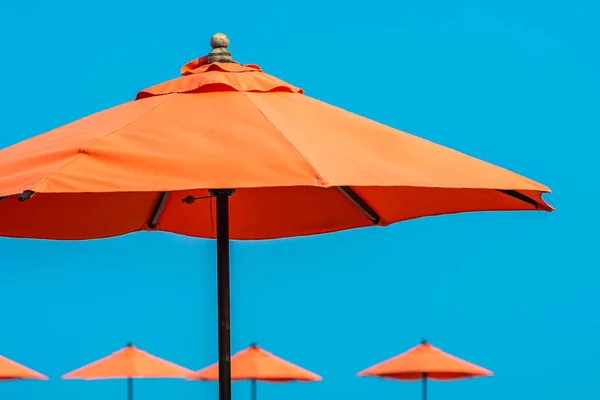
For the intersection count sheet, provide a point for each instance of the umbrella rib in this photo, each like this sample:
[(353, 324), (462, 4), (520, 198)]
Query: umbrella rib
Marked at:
[(360, 204), (158, 209), (520, 196)]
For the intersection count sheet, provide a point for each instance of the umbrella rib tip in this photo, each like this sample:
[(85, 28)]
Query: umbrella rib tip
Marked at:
[(26, 195)]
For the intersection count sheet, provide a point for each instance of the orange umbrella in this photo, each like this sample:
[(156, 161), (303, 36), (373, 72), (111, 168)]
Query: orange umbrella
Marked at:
[(292, 166), (255, 364), (425, 362), (129, 363), (10, 371)]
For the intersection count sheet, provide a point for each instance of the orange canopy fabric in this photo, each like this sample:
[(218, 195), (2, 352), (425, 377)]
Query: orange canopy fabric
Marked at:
[(227, 125), (11, 370), (129, 362), (257, 364), (425, 359)]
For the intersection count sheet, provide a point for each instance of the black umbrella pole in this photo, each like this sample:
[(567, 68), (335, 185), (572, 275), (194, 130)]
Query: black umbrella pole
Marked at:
[(253, 389), (130, 388), (425, 386), (222, 196)]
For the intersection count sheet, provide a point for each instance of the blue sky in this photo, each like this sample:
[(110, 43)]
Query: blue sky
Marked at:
[(514, 83)]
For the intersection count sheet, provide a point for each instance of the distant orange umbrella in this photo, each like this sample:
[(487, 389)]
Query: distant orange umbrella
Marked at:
[(129, 363), (255, 364), (425, 362), (11, 370), (283, 163)]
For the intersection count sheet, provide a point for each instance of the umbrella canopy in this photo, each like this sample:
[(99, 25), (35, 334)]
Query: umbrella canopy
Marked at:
[(292, 166), (11, 370), (425, 362), (129, 362), (299, 166), (257, 364), (425, 359)]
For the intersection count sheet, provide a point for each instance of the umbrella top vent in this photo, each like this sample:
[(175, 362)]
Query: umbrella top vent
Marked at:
[(220, 52), (217, 72)]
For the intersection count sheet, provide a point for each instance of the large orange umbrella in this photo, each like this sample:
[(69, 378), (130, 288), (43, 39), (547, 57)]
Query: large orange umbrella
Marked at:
[(292, 166), (425, 362), (11, 370), (257, 365), (129, 363)]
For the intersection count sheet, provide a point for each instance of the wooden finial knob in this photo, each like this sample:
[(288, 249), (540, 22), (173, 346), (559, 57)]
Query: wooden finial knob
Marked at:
[(219, 42)]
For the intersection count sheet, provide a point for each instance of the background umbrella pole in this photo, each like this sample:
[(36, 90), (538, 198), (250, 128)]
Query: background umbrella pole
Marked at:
[(424, 386), (253, 389), (129, 388), (222, 196)]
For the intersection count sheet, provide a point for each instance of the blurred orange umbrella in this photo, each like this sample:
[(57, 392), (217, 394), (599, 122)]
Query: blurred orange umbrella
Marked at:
[(255, 364), (425, 362), (11, 370), (129, 363), (292, 166)]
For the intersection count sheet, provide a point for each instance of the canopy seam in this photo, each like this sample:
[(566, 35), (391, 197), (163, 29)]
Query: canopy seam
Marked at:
[(318, 178)]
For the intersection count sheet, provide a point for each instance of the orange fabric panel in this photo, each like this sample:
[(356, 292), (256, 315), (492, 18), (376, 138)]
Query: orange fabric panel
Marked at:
[(347, 149)]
